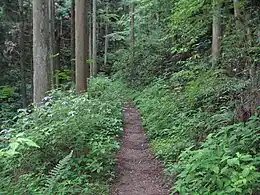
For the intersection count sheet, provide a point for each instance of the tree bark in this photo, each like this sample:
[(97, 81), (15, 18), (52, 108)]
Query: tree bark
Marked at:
[(80, 43), (73, 40), (94, 30), (90, 41), (106, 38), (22, 54), (216, 33), (87, 26), (51, 41), (57, 53), (106, 45), (40, 49)]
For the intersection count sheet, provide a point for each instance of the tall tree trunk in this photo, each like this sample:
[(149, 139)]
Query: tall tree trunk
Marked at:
[(80, 43), (216, 32), (87, 3), (258, 63), (51, 41), (22, 54), (132, 32), (106, 45), (62, 42), (73, 40), (90, 42), (57, 53), (40, 49), (106, 38), (94, 30)]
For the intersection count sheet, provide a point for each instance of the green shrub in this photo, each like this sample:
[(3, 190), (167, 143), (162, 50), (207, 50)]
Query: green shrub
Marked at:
[(227, 163), (9, 103), (190, 123), (88, 124)]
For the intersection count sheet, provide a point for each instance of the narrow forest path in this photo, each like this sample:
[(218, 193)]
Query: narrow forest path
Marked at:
[(138, 172)]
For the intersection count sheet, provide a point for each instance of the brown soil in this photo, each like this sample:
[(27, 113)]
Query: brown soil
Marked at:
[(138, 171)]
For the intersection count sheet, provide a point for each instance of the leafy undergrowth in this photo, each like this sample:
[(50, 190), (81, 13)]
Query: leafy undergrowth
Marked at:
[(77, 139), (9, 102), (190, 123)]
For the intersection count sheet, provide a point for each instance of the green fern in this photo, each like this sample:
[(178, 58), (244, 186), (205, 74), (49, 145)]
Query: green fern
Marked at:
[(56, 173)]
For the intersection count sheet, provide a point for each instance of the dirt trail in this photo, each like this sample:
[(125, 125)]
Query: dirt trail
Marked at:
[(138, 171)]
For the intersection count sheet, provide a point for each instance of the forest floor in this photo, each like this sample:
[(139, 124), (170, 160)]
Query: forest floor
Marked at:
[(138, 172)]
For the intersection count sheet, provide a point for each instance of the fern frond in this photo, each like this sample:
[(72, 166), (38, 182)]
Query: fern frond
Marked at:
[(56, 173)]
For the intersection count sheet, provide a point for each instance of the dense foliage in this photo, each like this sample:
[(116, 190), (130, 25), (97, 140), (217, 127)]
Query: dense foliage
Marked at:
[(86, 126), (202, 117), (195, 134)]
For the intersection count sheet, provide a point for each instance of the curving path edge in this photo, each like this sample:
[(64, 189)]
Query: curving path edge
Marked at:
[(138, 172)]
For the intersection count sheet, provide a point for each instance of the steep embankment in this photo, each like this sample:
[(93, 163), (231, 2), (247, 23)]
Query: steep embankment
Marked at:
[(190, 124)]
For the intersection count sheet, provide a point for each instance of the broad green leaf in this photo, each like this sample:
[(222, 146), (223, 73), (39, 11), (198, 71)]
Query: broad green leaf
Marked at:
[(233, 161), (215, 169), (28, 142)]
